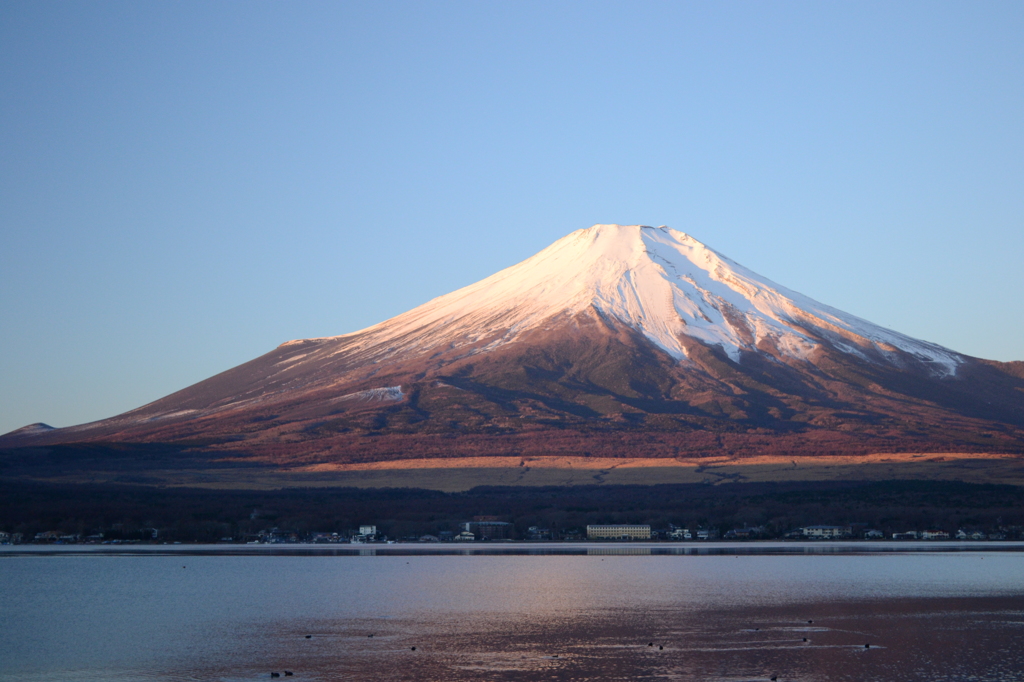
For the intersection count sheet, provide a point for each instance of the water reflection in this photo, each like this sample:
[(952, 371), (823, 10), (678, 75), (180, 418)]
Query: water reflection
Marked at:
[(611, 612), (940, 639), (619, 551)]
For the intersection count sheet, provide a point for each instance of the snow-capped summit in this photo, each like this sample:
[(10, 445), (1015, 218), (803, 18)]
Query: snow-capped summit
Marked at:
[(662, 283)]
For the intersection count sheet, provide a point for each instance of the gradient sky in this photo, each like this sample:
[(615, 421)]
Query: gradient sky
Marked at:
[(183, 186)]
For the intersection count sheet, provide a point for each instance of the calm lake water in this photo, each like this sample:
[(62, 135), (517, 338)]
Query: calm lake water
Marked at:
[(592, 613)]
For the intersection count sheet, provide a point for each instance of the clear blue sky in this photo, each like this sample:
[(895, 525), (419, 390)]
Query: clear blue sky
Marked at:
[(183, 186)]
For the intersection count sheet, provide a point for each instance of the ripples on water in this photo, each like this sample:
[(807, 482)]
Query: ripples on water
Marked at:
[(202, 616)]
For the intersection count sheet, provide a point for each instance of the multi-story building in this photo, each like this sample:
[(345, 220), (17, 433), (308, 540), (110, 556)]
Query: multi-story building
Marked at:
[(619, 532), (488, 528)]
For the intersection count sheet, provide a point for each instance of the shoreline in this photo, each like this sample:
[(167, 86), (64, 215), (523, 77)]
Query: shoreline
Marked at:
[(695, 548)]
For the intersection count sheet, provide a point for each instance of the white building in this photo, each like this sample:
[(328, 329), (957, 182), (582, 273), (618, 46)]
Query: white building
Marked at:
[(824, 532), (934, 535)]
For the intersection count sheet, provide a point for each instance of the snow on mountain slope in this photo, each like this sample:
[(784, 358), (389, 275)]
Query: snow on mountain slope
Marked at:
[(661, 282)]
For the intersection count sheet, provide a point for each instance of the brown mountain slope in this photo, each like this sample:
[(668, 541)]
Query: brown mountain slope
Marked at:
[(585, 387)]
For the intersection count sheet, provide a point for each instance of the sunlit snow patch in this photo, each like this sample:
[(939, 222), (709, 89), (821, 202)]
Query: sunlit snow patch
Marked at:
[(389, 394)]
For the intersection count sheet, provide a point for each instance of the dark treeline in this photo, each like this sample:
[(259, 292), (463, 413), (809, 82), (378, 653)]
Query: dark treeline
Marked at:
[(192, 515)]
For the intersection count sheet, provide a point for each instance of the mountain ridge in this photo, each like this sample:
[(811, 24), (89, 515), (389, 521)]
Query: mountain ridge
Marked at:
[(613, 340)]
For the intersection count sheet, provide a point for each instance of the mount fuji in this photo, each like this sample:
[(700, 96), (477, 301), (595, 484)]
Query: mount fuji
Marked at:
[(615, 341)]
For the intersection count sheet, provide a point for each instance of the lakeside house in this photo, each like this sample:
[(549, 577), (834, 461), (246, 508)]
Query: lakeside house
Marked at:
[(675, 533), (538, 533), (973, 535), (826, 532), (934, 535)]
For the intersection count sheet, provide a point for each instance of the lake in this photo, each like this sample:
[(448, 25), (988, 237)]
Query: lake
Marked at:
[(797, 611)]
